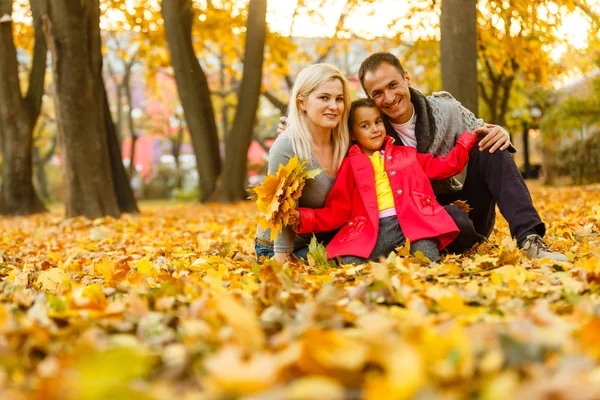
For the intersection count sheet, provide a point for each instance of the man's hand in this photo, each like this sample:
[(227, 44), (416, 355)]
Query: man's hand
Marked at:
[(495, 137), (282, 125)]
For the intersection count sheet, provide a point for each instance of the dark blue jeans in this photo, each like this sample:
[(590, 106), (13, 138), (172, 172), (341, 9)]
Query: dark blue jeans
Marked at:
[(262, 250), (492, 179), (390, 236)]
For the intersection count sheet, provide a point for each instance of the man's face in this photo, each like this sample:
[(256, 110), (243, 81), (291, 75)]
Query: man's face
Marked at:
[(389, 90)]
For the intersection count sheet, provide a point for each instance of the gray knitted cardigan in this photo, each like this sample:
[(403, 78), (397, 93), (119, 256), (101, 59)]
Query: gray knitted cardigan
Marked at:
[(441, 119)]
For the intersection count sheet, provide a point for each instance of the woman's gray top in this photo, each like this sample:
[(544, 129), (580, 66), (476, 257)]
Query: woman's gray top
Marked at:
[(313, 195)]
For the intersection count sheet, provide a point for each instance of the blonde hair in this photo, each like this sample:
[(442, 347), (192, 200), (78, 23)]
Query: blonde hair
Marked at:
[(309, 79)]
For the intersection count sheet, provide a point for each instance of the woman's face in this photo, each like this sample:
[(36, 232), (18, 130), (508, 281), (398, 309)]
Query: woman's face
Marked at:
[(324, 107)]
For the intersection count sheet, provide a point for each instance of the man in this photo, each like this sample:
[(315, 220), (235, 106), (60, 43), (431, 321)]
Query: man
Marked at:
[(432, 124)]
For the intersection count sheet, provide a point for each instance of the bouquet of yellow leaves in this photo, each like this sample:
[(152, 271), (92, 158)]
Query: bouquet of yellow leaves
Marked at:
[(277, 195)]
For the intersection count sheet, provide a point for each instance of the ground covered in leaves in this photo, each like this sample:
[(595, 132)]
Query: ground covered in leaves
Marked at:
[(171, 304)]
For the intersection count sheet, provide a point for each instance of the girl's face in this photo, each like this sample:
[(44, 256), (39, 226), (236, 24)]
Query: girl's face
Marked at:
[(324, 107), (368, 129)]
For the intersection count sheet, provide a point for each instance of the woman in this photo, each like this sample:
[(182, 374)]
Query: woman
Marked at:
[(317, 131)]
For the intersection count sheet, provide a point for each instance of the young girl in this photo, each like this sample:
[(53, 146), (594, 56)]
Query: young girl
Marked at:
[(382, 195)]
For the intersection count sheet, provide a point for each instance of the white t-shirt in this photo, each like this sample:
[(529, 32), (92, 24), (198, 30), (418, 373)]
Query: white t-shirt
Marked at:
[(406, 131)]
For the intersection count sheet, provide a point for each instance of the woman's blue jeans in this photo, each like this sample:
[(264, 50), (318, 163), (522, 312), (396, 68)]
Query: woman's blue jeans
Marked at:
[(262, 250)]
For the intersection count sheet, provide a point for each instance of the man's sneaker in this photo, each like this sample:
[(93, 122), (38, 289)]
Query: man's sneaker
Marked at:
[(534, 247)]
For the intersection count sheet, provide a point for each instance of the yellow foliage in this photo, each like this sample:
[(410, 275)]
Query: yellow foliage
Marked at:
[(278, 194), (53, 280), (173, 304)]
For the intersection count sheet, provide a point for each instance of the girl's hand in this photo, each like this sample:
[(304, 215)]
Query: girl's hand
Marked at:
[(294, 220)]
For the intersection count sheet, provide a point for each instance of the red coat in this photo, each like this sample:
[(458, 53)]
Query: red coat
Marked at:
[(352, 202)]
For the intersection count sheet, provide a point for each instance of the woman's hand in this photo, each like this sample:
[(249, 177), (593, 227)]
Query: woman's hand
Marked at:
[(281, 257)]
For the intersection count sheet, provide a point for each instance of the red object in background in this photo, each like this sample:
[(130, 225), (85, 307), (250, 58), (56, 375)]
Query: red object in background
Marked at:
[(143, 156)]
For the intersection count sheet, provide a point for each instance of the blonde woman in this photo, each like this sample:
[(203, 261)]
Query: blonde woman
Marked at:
[(317, 131)]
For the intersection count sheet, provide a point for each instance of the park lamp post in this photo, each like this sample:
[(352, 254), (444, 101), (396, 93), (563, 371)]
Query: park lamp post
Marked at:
[(535, 114)]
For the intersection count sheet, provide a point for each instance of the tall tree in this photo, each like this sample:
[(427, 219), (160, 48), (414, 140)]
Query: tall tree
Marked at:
[(125, 197), (194, 93), (73, 35), (514, 42), (233, 181), (18, 115), (458, 48)]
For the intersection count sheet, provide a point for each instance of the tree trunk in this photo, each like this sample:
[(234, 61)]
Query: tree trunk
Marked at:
[(194, 93), (73, 35), (40, 174), (125, 196), (40, 162), (134, 137), (458, 48), (176, 151), (119, 99), (225, 106), (18, 117), (2, 202), (235, 173)]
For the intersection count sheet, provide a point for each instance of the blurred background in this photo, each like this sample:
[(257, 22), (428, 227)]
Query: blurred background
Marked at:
[(180, 99)]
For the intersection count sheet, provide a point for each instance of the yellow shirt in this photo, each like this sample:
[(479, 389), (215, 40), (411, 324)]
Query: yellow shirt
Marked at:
[(385, 198)]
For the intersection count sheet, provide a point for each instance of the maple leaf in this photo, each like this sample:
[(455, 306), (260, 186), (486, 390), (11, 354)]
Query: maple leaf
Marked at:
[(243, 321), (53, 280), (230, 373), (277, 195), (463, 205), (315, 387)]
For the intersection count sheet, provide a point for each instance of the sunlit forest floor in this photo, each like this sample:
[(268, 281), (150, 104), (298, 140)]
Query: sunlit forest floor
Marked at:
[(170, 304)]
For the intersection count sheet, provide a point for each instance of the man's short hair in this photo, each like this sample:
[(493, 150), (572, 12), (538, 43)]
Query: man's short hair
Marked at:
[(372, 62)]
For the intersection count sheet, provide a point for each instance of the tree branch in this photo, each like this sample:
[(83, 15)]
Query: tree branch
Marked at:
[(35, 92), (224, 93), (490, 71), (275, 101), (506, 86), (484, 93)]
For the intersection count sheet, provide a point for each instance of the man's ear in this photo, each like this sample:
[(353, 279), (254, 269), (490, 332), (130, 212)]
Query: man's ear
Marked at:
[(407, 77)]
